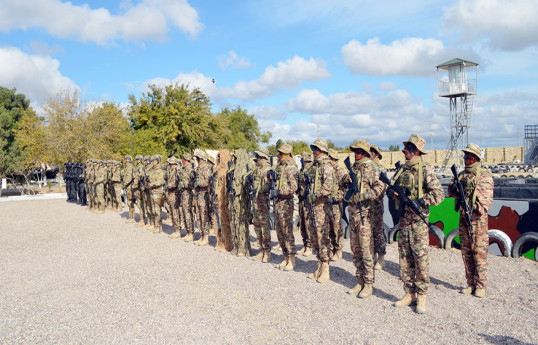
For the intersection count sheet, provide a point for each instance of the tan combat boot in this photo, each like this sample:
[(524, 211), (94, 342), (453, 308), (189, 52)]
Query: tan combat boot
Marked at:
[(175, 234), (366, 291), (337, 255), (188, 237), (258, 257), (283, 263), (301, 252), (324, 274), (355, 290), (480, 293), (204, 241), (406, 300), (198, 240), (157, 229), (307, 251), (266, 256), (421, 304), (467, 291), (380, 262), (315, 275), (290, 266)]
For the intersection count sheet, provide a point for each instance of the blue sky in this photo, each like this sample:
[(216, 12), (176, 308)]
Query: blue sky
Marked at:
[(342, 69)]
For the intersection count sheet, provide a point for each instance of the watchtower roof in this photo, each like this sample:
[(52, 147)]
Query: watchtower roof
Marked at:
[(456, 61)]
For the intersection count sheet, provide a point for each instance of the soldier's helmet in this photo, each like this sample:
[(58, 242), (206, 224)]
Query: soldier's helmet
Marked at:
[(200, 154), (474, 149), (172, 160), (321, 144), (333, 154), (262, 152), (157, 158), (360, 144), (210, 159), (139, 157), (147, 159), (307, 156), (376, 149), (128, 158), (418, 141), (285, 149), (187, 156)]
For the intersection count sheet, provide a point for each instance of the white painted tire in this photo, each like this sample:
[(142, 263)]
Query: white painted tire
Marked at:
[(503, 240)]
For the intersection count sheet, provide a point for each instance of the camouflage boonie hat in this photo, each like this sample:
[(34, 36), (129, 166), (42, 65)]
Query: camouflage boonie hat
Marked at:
[(172, 160), (200, 154), (418, 141), (286, 149), (262, 152), (157, 158), (307, 156), (360, 144), (333, 154), (377, 150), (128, 158), (139, 157), (474, 149), (187, 156), (320, 144), (210, 159)]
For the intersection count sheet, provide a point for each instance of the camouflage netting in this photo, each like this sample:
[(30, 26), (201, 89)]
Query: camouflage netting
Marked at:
[(240, 218), (224, 239)]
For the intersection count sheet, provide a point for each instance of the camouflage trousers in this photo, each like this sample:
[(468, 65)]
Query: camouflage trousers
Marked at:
[(157, 202), (362, 244), (186, 203), (378, 228), (139, 195), (284, 225), (304, 225), (129, 192), (115, 195), (239, 226), (148, 204), (320, 234), (336, 233), (172, 199), (91, 193), (100, 196), (261, 223), (202, 211), (475, 255), (106, 194), (413, 247)]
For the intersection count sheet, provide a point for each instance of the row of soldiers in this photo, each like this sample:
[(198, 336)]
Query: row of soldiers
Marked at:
[(228, 192), (74, 183)]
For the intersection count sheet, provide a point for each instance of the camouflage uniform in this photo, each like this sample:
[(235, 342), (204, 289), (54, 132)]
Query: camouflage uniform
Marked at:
[(361, 239), (172, 194), (336, 233), (90, 174), (99, 183), (203, 174), (138, 183), (479, 198), (128, 181), (413, 238), (286, 186), (146, 194), (186, 187), (304, 225), (107, 185), (156, 183), (115, 186), (260, 219), (378, 228)]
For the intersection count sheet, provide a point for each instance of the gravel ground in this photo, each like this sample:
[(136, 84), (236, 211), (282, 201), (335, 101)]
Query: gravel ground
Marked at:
[(69, 276)]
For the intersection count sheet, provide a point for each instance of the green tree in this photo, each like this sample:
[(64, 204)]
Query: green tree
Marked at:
[(299, 146), (12, 107), (394, 148), (241, 130)]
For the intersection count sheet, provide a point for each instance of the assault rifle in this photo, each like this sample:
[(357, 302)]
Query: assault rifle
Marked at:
[(213, 196), (462, 201), (229, 185), (272, 176), (353, 187), (249, 181), (307, 191)]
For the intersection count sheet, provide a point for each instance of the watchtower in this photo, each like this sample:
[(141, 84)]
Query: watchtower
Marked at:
[(531, 144), (457, 82)]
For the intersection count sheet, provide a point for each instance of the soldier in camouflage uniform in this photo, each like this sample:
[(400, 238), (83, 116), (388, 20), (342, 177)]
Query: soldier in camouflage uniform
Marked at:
[(304, 224), (213, 197), (146, 194), (138, 176), (479, 197), (186, 188), (115, 185), (320, 204), (413, 239), (203, 174), (128, 182), (172, 194), (107, 185), (99, 183), (286, 186), (369, 188), (378, 227), (90, 173), (156, 183), (336, 232), (260, 219)]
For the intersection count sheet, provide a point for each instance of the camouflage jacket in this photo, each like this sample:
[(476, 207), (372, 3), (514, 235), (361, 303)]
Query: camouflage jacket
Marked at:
[(156, 176), (380, 169), (115, 176), (322, 174), (128, 175), (339, 189), (301, 186), (369, 184), (261, 182), (172, 172), (203, 174), (100, 175), (287, 177), (186, 177), (483, 191)]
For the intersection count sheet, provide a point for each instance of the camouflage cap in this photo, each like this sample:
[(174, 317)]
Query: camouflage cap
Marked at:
[(418, 141), (157, 158), (172, 160), (262, 152), (474, 149), (377, 150), (200, 154), (128, 158), (360, 144), (307, 156), (139, 157), (210, 159), (333, 154), (187, 156), (320, 144), (285, 149)]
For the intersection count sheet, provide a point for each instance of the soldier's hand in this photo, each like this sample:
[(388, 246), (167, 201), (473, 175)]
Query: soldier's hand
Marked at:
[(452, 189), (274, 194), (311, 198), (391, 194)]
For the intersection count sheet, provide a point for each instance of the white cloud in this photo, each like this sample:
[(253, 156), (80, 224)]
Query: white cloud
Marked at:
[(387, 86), (193, 80), (506, 24), (268, 112), (287, 74), (233, 60), (37, 77), (412, 56), (149, 19)]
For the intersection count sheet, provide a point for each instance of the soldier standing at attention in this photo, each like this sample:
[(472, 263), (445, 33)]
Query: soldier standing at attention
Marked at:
[(90, 171), (336, 233), (378, 227), (203, 173), (286, 186), (115, 185), (413, 239), (186, 188), (260, 219), (369, 188), (172, 196), (156, 183), (99, 183), (128, 182), (322, 174), (146, 192), (304, 224), (138, 176), (477, 184)]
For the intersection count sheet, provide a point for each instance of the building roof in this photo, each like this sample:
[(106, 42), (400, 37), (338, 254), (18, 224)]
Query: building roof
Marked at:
[(456, 61)]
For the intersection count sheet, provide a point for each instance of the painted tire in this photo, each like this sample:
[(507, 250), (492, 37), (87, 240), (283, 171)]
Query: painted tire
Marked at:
[(387, 232), (502, 240), (439, 234), (528, 237), (449, 242), (392, 234)]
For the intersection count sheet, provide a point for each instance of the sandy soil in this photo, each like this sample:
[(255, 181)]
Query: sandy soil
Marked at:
[(70, 276)]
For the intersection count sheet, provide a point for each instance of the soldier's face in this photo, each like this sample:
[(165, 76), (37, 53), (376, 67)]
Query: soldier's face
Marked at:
[(410, 151), (469, 158), (280, 156)]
